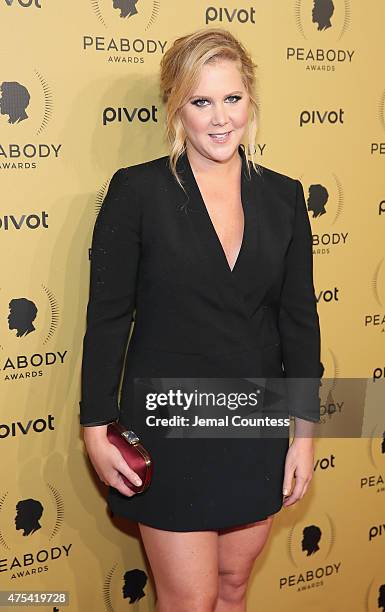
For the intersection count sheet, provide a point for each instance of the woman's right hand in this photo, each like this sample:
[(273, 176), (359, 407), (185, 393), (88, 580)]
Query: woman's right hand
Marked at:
[(107, 460)]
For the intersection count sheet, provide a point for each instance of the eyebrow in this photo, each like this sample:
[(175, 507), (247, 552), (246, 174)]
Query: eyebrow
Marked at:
[(208, 97)]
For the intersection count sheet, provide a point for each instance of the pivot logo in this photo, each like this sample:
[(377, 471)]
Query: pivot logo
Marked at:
[(378, 373), (328, 295), (23, 3), (18, 428), (32, 221), (315, 117), (120, 15), (376, 531), (323, 22), (123, 114), (325, 463), (15, 98), (229, 15)]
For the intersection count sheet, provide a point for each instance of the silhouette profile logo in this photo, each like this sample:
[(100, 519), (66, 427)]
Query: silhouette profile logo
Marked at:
[(318, 197), (323, 19), (21, 316), (381, 597), (28, 513), (14, 101), (383, 443), (310, 540), (322, 13), (127, 7), (134, 582)]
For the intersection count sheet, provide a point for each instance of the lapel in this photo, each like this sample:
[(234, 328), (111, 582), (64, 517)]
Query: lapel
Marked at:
[(243, 288)]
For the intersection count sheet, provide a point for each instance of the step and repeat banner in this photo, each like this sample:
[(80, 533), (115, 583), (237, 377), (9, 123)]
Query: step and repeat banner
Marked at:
[(80, 99)]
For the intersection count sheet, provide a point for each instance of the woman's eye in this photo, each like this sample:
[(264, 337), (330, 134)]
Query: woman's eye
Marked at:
[(235, 98), (197, 102)]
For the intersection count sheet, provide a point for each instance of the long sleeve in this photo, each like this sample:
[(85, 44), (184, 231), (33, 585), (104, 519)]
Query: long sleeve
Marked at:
[(115, 252), (299, 322)]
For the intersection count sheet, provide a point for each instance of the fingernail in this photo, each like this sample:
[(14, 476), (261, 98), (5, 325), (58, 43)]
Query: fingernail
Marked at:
[(138, 481), (285, 491)]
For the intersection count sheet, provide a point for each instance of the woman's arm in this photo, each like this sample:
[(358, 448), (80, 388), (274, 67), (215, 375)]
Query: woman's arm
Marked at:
[(299, 324), (115, 253)]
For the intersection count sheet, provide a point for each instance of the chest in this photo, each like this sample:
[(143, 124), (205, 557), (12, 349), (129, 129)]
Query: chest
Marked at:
[(226, 216), (208, 238)]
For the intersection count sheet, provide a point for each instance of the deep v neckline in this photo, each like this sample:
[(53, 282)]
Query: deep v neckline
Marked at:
[(243, 288), (211, 224)]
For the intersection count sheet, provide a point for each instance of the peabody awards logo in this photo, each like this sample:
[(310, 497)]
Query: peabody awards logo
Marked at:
[(376, 319), (378, 148), (325, 204), (30, 524), (25, 111), (29, 320), (124, 584), (374, 480), (127, 20), (375, 594), (310, 550), (322, 23)]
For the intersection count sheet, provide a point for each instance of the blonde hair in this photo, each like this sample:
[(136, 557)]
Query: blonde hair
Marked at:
[(179, 74)]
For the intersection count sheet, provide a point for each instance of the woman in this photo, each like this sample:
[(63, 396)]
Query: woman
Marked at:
[(215, 257)]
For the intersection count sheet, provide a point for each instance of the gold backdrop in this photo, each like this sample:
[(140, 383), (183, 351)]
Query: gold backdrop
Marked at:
[(79, 99)]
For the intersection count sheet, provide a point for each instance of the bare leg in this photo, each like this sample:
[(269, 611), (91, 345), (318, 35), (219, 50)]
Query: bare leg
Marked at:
[(185, 568), (237, 551)]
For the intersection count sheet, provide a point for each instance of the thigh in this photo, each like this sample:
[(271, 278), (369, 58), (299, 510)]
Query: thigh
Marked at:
[(182, 562), (239, 547)]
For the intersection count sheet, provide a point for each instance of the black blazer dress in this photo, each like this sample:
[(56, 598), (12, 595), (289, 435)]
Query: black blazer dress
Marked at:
[(158, 270)]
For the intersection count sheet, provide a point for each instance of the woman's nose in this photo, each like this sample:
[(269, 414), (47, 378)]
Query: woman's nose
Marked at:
[(219, 115)]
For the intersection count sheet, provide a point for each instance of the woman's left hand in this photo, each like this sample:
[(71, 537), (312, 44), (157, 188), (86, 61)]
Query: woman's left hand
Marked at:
[(299, 464)]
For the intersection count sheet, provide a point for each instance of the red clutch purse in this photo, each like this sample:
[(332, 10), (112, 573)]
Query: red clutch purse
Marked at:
[(134, 454)]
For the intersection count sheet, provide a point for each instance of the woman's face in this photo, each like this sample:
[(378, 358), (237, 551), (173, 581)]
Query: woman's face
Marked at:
[(218, 105)]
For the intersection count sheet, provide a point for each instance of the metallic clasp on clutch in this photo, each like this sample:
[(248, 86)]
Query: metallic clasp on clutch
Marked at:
[(130, 436)]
